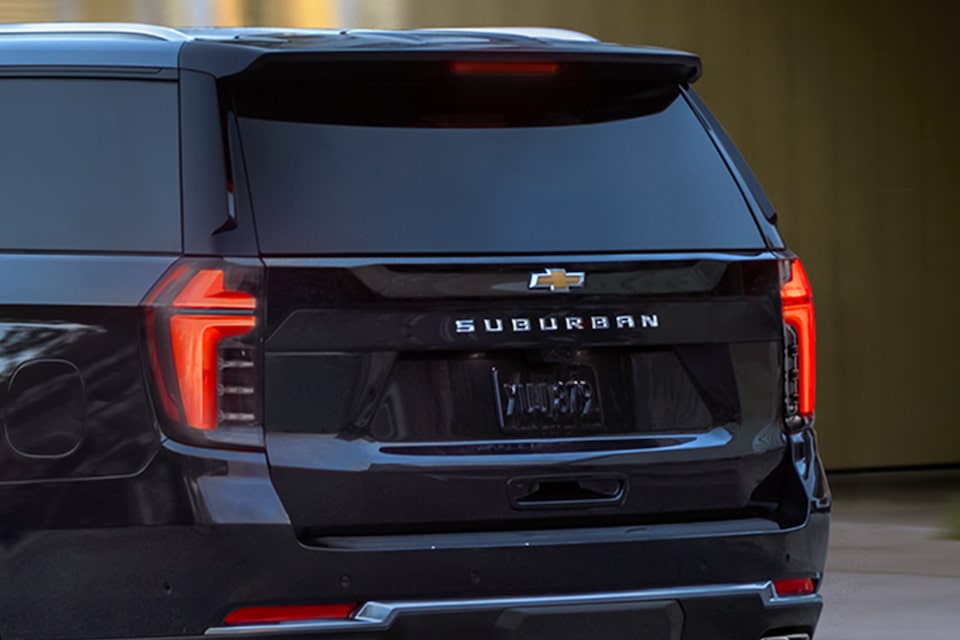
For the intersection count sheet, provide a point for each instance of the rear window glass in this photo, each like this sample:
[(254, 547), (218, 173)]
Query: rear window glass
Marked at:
[(646, 179), (89, 165)]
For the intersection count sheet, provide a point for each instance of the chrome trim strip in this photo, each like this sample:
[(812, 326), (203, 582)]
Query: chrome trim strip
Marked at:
[(87, 28), (378, 616)]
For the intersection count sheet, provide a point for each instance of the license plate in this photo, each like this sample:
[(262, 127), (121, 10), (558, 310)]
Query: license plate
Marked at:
[(547, 399)]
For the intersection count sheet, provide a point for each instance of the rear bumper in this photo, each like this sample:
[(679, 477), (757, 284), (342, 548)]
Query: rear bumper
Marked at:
[(686, 580), (683, 613), (181, 581)]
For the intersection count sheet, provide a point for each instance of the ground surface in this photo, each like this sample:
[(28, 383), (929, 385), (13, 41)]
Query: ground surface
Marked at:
[(891, 573)]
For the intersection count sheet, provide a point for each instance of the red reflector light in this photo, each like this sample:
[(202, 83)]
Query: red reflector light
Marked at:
[(797, 299), (513, 67), (289, 613), (794, 587)]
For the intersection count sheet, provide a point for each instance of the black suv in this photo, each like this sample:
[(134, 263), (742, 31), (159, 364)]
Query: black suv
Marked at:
[(365, 334)]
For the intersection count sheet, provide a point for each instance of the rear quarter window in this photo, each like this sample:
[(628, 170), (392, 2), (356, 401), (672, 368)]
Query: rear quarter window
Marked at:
[(89, 165)]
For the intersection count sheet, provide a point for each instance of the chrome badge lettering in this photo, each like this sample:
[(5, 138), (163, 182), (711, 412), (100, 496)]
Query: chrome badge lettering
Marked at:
[(556, 324)]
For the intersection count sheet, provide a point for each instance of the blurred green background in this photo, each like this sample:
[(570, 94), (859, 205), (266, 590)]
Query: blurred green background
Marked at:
[(846, 110)]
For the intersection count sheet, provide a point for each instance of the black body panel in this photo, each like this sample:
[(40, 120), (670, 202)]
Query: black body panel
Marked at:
[(203, 533), (377, 391), (71, 375), (187, 578)]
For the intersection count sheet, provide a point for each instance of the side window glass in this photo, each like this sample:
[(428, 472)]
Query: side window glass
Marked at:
[(89, 165)]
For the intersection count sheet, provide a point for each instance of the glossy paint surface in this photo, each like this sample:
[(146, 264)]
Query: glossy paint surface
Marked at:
[(379, 389), (56, 349)]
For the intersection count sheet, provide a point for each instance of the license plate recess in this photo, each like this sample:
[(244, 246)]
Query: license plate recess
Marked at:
[(547, 399)]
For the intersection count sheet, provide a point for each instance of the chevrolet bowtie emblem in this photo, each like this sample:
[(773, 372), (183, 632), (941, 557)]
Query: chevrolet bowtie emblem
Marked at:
[(557, 280)]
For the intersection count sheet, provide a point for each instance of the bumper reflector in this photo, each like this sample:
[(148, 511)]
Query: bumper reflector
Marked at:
[(794, 587), (288, 613)]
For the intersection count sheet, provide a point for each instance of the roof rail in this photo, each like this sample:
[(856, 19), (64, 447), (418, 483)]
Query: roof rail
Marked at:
[(543, 33), (93, 28)]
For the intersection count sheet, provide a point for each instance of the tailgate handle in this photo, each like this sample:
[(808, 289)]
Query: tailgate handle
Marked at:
[(546, 492)]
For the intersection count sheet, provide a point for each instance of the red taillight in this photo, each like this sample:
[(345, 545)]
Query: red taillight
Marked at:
[(288, 613), (205, 290), (798, 318), (794, 587), (204, 351), (196, 342), (504, 67)]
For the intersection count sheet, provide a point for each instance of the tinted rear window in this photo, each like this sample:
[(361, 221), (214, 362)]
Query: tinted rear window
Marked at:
[(643, 183), (89, 165)]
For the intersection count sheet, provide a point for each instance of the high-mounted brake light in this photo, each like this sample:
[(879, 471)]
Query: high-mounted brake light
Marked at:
[(508, 67), (202, 332), (798, 317), (288, 613)]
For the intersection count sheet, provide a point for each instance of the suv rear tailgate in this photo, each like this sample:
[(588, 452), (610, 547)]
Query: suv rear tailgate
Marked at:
[(651, 394)]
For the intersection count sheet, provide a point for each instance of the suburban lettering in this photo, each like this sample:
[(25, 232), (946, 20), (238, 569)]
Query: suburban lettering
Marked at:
[(493, 326), (551, 324), (521, 324), (600, 322), (548, 324)]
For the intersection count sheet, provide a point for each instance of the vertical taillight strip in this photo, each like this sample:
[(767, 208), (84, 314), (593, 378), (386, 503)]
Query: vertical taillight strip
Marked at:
[(203, 333), (196, 340), (800, 340)]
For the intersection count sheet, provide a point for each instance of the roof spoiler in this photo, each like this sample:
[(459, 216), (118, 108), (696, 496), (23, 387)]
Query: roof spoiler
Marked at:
[(227, 58)]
